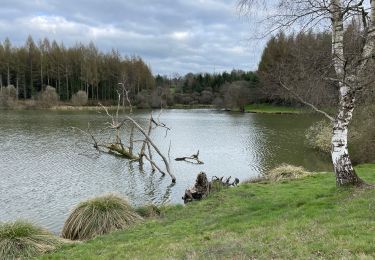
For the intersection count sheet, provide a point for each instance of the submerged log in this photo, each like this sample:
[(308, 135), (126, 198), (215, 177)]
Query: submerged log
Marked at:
[(121, 150), (203, 187)]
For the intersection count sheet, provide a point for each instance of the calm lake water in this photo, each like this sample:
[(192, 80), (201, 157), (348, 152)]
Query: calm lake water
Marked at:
[(46, 168)]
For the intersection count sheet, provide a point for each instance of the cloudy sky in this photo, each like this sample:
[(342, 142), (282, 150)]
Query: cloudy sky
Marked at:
[(173, 36)]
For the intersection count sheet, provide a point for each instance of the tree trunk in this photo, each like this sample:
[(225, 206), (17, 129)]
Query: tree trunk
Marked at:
[(67, 85), (342, 165), (8, 76), (345, 173)]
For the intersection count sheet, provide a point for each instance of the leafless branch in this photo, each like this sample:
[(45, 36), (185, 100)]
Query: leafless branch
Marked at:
[(306, 103)]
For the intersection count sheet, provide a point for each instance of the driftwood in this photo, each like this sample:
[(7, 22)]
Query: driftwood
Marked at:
[(117, 147), (203, 187), (191, 159)]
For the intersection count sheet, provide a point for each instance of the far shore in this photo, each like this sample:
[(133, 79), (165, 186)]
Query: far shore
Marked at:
[(250, 108)]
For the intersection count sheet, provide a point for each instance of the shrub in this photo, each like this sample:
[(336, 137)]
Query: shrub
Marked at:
[(21, 239), (362, 135), (319, 136), (206, 97), (8, 96), (286, 172), (80, 98), (48, 97), (99, 216)]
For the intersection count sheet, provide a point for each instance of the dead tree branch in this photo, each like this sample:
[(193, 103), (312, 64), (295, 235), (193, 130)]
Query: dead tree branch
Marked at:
[(194, 158)]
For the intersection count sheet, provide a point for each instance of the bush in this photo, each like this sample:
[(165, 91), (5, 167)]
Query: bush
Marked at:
[(286, 172), (362, 135), (319, 136), (141, 100), (21, 239), (99, 216), (8, 96), (80, 98), (206, 97), (48, 97)]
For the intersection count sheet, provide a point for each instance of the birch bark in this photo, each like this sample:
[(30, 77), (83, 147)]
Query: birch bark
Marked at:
[(349, 82)]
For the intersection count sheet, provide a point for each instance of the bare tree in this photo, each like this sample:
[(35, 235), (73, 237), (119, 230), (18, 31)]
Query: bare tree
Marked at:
[(283, 14)]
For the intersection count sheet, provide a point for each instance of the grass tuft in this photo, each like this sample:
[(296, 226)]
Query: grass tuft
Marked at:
[(21, 239), (148, 211), (286, 172), (99, 216)]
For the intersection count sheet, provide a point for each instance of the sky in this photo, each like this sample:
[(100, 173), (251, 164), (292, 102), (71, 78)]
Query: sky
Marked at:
[(172, 36)]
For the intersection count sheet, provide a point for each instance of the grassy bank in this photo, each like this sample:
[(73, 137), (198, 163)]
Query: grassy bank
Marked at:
[(305, 218), (272, 109)]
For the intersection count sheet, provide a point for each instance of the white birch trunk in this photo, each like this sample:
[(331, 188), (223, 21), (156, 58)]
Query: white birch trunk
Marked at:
[(348, 84)]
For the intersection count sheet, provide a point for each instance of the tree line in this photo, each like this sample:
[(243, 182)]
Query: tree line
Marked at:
[(303, 61), (35, 65)]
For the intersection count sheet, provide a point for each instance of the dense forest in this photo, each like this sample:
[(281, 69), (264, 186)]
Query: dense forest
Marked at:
[(302, 61), (32, 67)]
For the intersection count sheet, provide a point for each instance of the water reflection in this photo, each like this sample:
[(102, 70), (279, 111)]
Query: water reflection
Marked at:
[(46, 169)]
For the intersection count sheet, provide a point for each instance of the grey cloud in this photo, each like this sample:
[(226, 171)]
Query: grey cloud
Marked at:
[(173, 36)]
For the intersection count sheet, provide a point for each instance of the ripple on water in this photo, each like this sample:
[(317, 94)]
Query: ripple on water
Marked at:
[(45, 172)]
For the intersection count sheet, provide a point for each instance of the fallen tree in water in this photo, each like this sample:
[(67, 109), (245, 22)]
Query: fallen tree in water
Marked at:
[(116, 145), (203, 187)]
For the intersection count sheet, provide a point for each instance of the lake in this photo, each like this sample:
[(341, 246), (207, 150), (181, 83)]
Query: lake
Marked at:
[(46, 168)]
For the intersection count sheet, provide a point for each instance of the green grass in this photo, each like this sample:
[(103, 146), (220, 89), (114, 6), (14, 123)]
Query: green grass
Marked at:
[(272, 109), (302, 218)]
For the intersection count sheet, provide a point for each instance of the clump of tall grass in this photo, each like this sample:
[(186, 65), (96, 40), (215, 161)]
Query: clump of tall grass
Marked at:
[(286, 172), (21, 239), (99, 216)]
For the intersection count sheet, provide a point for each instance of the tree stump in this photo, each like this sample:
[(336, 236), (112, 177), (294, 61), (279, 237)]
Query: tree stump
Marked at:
[(200, 190)]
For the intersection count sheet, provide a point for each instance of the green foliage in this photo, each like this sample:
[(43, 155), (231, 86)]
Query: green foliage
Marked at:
[(99, 216), (22, 239), (319, 136), (307, 218), (286, 172)]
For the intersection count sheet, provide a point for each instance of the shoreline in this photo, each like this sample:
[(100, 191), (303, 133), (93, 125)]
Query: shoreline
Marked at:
[(253, 108), (252, 220)]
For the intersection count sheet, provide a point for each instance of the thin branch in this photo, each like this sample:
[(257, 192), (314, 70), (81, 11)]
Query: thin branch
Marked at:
[(307, 103)]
